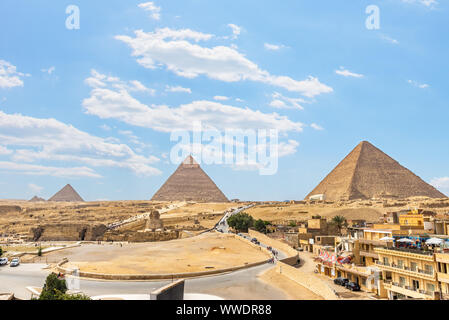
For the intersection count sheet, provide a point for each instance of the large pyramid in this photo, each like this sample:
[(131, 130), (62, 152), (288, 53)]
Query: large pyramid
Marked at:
[(67, 194), (368, 173), (189, 183)]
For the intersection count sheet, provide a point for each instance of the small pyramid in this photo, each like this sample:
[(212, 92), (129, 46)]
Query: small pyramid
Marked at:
[(36, 199), (189, 183), (67, 194), (368, 173)]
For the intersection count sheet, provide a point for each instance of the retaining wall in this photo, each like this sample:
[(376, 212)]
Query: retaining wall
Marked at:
[(312, 283)]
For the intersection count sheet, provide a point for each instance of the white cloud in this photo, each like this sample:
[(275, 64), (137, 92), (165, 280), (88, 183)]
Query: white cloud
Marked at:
[(155, 11), (9, 76), (35, 188), (178, 89), (171, 49), (389, 39), (105, 127), (346, 73), (418, 85), (427, 3), (98, 80), (5, 151), (39, 170), (236, 30), (49, 70), (287, 148), (108, 103), (281, 102), (35, 139), (273, 47), (441, 183), (316, 127), (221, 98)]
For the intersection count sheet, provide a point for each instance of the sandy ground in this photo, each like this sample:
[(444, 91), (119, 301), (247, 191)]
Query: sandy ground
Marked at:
[(297, 212), (293, 290), (205, 252)]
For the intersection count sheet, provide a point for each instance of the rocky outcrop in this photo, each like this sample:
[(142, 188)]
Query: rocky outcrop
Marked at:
[(8, 209)]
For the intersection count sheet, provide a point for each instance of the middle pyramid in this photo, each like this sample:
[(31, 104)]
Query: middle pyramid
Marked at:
[(189, 183)]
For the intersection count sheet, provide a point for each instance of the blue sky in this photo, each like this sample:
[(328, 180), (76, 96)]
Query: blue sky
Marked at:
[(94, 106)]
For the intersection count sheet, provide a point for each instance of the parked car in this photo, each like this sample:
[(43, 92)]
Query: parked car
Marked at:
[(300, 249), (341, 281), (3, 261), (352, 286), (14, 262)]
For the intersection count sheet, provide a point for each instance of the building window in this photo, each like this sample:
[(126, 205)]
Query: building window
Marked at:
[(386, 261), (429, 269), (363, 281), (413, 266), (415, 284), (430, 287), (401, 264), (401, 281)]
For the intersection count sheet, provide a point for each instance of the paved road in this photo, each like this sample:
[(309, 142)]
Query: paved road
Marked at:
[(222, 226), (242, 284)]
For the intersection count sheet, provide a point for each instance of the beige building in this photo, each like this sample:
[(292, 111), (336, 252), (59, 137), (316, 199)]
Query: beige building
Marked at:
[(408, 273), (442, 260)]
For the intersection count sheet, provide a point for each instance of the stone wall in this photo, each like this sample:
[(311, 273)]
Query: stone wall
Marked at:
[(131, 236), (67, 232)]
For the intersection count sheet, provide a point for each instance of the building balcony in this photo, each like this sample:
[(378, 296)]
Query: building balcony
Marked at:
[(369, 254), (409, 291), (419, 273), (443, 277), (373, 242), (442, 257), (406, 253)]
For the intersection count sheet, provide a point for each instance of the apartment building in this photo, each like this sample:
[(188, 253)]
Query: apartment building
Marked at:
[(409, 273)]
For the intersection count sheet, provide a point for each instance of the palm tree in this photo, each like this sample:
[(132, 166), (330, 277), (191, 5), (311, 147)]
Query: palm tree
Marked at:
[(340, 222)]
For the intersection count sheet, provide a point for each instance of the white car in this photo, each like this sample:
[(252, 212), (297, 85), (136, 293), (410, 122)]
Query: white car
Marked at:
[(14, 262), (3, 261)]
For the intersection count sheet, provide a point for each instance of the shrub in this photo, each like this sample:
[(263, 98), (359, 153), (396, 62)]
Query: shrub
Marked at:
[(260, 226), (1, 251), (39, 252)]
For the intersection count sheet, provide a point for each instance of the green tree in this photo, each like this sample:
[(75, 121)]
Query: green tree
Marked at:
[(292, 224), (1, 251), (241, 222), (260, 226), (339, 222), (56, 289), (39, 252), (52, 287)]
